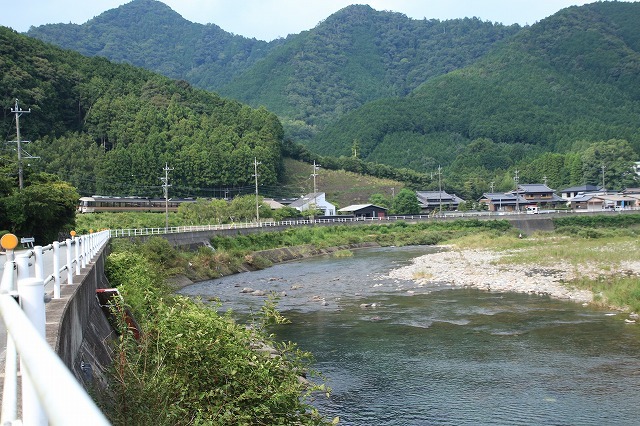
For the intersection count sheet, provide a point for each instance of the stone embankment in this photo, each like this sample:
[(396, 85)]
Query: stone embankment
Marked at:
[(483, 270), (274, 256)]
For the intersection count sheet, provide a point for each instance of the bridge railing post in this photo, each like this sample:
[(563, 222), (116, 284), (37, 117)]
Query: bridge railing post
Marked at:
[(76, 244), (56, 270), (69, 265), (83, 248), (31, 293)]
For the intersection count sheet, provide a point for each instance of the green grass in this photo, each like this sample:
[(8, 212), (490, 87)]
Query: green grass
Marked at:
[(341, 188), (611, 284)]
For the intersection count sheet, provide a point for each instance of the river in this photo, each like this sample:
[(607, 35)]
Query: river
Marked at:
[(397, 354)]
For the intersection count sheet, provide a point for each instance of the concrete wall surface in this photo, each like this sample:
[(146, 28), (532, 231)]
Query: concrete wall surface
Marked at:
[(78, 330)]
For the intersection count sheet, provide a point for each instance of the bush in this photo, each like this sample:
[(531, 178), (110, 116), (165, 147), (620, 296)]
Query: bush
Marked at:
[(196, 366)]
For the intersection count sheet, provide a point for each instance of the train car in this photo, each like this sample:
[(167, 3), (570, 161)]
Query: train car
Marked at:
[(99, 203)]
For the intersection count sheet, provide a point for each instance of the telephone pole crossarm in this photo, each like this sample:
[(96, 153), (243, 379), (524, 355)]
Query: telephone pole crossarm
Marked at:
[(165, 187), (18, 112)]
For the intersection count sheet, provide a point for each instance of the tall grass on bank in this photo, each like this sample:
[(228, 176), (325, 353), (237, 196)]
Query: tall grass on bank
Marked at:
[(194, 365)]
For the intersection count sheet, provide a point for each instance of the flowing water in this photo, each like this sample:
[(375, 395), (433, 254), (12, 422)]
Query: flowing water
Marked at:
[(441, 356)]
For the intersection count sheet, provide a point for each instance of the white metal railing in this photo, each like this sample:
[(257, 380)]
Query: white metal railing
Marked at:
[(50, 393), (134, 232)]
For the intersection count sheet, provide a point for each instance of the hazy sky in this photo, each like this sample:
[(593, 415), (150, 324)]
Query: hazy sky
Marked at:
[(269, 19)]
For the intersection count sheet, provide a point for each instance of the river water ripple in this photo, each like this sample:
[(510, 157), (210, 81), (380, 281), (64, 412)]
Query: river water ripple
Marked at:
[(440, 356)]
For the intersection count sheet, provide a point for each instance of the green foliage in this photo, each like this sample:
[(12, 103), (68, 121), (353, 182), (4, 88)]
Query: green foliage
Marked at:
[(380, 200), (354, 56), (204, 212), (194, 365), (110, 129), (567, 79), (125, 220), (405, 203), (149, 34), (617, 221), (285, 213), (45, 208)]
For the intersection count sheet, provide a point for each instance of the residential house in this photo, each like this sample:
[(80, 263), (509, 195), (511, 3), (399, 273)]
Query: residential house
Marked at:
[(599, 202), (434, 200), (275, 205), (364, 210), (313, 201), (574, 191), (538, 194), (501, 202)]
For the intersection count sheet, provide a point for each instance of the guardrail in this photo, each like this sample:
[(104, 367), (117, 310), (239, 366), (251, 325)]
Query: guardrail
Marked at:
[(134, 232), (50, 393)]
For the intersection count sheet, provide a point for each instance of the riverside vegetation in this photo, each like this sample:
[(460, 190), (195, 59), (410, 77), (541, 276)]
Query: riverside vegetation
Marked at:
[(195, 365)]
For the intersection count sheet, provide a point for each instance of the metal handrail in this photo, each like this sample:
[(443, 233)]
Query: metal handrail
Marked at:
[(64, 400), (50, 393), (135, 232)]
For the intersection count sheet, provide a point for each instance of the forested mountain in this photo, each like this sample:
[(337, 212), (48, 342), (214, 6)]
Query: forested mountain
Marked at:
[(149, 34), (359, 55), (111, 128), (559, 86), (310, 79)]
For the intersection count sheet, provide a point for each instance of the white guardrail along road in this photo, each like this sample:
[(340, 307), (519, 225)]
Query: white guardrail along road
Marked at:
[(50, 393)]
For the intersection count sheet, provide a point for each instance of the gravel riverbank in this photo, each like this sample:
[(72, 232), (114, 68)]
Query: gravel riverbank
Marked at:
[(482, 270)]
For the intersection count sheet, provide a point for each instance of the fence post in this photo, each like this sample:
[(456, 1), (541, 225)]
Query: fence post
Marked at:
[(76, 243), (69, 268), (38, 262), (83, 242), (56, 270), (31, 292)]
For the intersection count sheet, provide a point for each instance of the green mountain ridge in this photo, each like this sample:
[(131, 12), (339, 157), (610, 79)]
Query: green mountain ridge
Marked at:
[(110, 129), (568, 81), (309, 79), (149, 34), (557, 100)]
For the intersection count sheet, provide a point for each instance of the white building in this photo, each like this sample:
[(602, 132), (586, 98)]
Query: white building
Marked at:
[(314, 200)]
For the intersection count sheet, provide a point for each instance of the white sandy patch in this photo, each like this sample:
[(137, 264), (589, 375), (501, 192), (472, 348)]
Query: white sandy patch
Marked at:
[(479, 269)]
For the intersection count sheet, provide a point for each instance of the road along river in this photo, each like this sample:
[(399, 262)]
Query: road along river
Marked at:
[(398, 353)]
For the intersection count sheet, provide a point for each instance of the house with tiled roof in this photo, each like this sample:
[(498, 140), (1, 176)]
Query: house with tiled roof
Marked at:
[(538, 194), (432, 200)]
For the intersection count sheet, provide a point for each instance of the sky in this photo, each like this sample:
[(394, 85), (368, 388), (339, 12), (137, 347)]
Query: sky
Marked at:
[(270, 19)]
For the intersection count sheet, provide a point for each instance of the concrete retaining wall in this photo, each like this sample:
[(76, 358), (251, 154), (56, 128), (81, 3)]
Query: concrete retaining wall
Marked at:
[(78, 330)]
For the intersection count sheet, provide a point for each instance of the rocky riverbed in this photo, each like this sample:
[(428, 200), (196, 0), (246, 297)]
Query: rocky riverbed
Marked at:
[(483, 270)]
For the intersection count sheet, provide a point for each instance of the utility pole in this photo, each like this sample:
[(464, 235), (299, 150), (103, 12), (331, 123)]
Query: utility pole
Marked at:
[(545, 180), (516, 179), (440, 187), (165, 186), (18, 112), (492, 186), (315, 186), (603, 188), (255, 175), (315, 175)]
